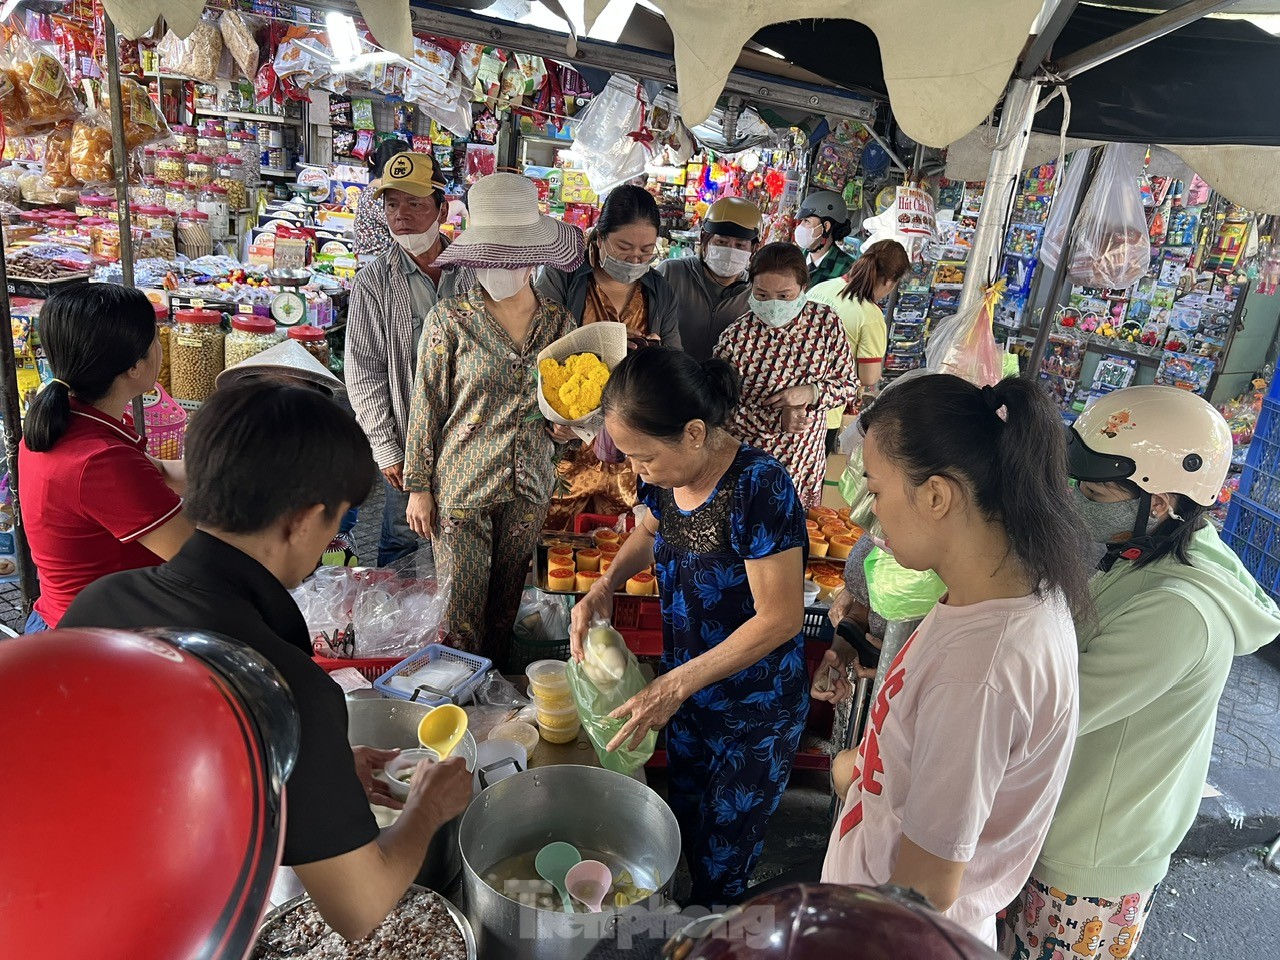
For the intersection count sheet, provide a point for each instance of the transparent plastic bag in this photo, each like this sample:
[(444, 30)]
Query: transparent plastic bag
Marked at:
[(897, 593), (607, 678), (542, 617), (602, 136), (966, 347), (1064, 201), (1112, 249)]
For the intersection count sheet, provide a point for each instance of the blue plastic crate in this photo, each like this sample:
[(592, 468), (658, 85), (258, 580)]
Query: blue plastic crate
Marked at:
[(458, 693), (1253, 532)]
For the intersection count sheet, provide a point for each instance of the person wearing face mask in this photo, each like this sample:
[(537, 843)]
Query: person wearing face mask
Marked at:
[(479, 460), (372, 236), (389, 304), (711, 289), (821, 222), (1174, 607), (795, 364), (616, 283)]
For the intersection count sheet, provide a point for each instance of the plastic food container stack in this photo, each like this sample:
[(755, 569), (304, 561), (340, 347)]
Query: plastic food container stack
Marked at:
[(558, 720)]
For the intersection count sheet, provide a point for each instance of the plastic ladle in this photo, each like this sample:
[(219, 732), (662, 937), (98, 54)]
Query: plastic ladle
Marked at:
[(589, 882), (442, 729), (553, 863)]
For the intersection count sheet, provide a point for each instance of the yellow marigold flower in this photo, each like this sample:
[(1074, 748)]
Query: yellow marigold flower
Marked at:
[(573, 388)]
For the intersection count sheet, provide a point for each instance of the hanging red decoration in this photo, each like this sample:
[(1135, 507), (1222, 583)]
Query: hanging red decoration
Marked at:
[(775, 183)]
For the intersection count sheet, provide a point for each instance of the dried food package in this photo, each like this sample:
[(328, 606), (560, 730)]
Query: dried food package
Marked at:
[(143, 121), (57, 159), (197, 56), (91, 153), (13, 108), (238, 34), (42, 83)]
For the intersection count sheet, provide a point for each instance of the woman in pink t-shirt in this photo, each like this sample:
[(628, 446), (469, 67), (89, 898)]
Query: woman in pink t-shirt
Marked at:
[(956, 779)]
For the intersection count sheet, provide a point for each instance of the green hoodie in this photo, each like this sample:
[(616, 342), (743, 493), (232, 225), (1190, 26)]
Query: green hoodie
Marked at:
[(1153, 664)]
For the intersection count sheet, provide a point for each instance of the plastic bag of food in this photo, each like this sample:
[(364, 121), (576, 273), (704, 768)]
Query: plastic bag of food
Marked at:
[(608, 676), (92, 157), (12, 105), (1112, 248), (542, 617), (197, 56), (57, 159), (966, 347), (238, 34), (897, 593), (143, 121), (42, 83)]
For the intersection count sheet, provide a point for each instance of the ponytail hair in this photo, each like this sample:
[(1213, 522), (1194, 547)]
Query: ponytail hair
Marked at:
[(1006, 445), (91, 334), (883, 260), (658, 390)]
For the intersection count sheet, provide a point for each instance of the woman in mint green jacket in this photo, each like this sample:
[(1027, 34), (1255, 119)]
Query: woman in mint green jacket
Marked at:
[(1174, 606)]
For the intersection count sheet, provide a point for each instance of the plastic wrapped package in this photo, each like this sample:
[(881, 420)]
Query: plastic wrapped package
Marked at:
[(12, 105), (1064, 202), (195, 57), (965, 345), (42, 84), (1112, 249), (91, 151), (602, 135), (57, 159), (238, 35), (143, 121), (607, 678)]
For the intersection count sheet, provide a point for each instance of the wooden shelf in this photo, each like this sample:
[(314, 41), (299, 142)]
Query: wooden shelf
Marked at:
[(249, 117)]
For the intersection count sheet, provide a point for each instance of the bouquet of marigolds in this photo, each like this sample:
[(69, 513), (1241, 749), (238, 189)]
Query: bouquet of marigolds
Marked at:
[(572, 374)]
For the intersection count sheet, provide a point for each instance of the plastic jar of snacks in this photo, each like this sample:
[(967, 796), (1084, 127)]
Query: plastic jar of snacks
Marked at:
[(106, 241), (93, 205), (163, 328), (200, 169), (312, 339), (231, 177), (196, 353), (148, 161), (213, 204), (180, 196), (151, 193), (153, 218), (184, 139), (87, 227), (157, 244), (548, 684), (62, 226), (194, 238), (250, 335), (211, 142), (559, 726), (171, 166)]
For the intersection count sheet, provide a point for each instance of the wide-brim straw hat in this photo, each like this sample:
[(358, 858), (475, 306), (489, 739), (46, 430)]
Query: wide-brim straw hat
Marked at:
[(288, 361), (506, 230)]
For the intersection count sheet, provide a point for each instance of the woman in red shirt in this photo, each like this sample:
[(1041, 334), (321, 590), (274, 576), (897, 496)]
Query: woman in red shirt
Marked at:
[(93, 502)]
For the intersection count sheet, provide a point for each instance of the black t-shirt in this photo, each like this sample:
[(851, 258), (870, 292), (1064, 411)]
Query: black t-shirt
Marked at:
[(210, 585)]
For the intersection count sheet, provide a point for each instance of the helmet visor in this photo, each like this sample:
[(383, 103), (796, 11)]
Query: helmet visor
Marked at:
[(1088, 466)]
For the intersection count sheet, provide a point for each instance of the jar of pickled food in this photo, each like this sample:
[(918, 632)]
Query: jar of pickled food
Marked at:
[(196, 353), (171, 166), (200, 169), (312, 339), (250, 335)]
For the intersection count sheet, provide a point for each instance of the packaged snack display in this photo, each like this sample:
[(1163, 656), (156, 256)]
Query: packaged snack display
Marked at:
[(12, 105), (237, 33), (195, 57), (40, 81), (143, 121), (91, 153), (57, 159)]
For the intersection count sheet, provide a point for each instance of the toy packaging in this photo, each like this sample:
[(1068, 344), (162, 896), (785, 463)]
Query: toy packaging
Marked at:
[(1186, 372), (1113, 373)]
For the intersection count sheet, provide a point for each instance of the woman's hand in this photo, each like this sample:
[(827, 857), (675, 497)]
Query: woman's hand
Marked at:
[(421, 514), (794, 419), (831, 679), (650, 709), (597, 602), (801, 395), (844, 607), (560, 433)]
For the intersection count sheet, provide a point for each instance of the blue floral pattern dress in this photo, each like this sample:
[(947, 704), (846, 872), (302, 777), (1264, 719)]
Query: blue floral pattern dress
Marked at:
[(730, 746)]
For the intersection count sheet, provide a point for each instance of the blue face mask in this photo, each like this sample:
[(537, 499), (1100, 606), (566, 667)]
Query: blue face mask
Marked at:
[(777, 313)]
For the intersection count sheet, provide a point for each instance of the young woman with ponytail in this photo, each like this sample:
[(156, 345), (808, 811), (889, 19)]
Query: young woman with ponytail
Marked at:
[(93, 502), (971, 735), (727, 531)]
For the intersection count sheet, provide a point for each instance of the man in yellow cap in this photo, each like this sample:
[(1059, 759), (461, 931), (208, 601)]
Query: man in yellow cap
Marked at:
[(711, 288), (389, 303)]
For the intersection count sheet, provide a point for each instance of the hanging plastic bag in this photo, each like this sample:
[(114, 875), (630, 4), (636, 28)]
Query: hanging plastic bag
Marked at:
[(965, 345), (92, 152), (1064, 202), (611, 136), (1112, 249), (608, 677), (542, 617), (143, 121), (897, 593)]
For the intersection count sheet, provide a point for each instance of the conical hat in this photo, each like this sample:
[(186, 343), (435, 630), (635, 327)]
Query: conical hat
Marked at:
[(288, 359)]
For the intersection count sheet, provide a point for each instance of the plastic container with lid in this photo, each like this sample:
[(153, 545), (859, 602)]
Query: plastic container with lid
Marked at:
[(313, 340), (250, 335), (547, 679), (151, 192), (148, 161), (184, 139), (156, 218), (196, 353), (231, 177), (180, 196), (171, 165), (211, 142), (213, 204), (164, 326), (200, 169), (517, 731), (91, 205), (193, 235), (559, 726)]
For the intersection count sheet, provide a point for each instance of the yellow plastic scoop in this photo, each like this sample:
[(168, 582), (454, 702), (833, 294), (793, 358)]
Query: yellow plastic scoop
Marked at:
[(442, 729)]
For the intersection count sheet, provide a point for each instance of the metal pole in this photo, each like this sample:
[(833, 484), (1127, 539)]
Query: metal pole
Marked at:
[(1002, 179), (1061, 281), (1136, 36), (120, 155), (11, 412), (1044, 40)]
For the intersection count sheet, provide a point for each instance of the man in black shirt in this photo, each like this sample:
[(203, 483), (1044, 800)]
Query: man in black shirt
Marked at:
[(271, 469)]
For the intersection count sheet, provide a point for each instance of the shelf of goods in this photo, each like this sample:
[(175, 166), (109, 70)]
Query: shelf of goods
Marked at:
[(249, 117)]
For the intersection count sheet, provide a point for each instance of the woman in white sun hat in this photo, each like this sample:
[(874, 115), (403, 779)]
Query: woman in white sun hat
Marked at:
[(480, 462)]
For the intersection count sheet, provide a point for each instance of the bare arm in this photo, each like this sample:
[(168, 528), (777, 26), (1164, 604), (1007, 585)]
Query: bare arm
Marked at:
[(935, 878), (869, 374), (165, 541), (635, 555), (174, 473)]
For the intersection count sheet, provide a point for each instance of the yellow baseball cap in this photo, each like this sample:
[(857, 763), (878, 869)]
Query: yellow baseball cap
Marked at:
[(414, 173)]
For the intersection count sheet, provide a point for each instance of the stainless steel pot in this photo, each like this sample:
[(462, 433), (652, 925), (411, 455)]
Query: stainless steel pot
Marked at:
[(393, 724), (603, 813)]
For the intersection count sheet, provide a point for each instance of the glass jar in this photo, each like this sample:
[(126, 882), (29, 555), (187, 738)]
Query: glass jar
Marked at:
[(211, 142), (213, 204), (148, 161), (231, 177), (93, 205), (250, 335), (200, 169), (312, 339), (194, 237), (184, 140), (180, 197), (196, 353), (151, 193), (155, 218), (153, 244), (171, 166)]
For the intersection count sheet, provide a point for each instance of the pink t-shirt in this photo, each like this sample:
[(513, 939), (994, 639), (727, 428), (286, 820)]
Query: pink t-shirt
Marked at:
[(966, 751)]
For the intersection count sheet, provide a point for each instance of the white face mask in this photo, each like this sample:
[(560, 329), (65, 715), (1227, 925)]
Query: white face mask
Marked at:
[(503, 284), (416, 244), (726, 261), (777, 313), (807, 235)]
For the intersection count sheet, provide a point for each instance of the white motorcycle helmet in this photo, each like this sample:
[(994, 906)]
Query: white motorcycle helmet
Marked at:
[(1162, 439)]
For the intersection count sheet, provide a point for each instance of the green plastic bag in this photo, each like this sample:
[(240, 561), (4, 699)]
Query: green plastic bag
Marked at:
[(897, 593), (594, 706)]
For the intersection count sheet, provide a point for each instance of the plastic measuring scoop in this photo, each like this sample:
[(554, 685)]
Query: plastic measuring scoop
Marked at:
[(589, 882), (553, 863), (442, 729)]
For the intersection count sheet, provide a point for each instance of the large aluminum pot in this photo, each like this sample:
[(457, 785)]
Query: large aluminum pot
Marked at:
[(393, 724), (602, 813)]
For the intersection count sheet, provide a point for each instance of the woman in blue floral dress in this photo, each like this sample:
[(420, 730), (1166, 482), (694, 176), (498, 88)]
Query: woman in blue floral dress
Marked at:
[(727, 533)]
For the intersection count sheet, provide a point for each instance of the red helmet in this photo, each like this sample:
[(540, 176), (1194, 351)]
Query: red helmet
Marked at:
[(818, 921), (151, 815)]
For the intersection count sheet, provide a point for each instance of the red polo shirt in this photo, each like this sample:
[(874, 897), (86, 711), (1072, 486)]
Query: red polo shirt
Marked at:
[(86, 502)]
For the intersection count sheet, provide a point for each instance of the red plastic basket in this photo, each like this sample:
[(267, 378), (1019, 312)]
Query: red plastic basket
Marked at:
[(586, 522), (639, 620), (371, 668)]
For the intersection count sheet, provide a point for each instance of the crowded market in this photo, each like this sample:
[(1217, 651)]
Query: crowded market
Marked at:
[(470, 466)]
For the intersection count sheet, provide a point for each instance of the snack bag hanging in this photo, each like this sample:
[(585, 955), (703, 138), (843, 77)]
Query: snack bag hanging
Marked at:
[(966, 347), (1112, 249), (608, 677)]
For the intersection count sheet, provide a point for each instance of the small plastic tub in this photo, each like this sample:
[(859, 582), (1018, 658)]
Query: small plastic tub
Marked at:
[(517, 731), (547, 679), (559, 726)]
